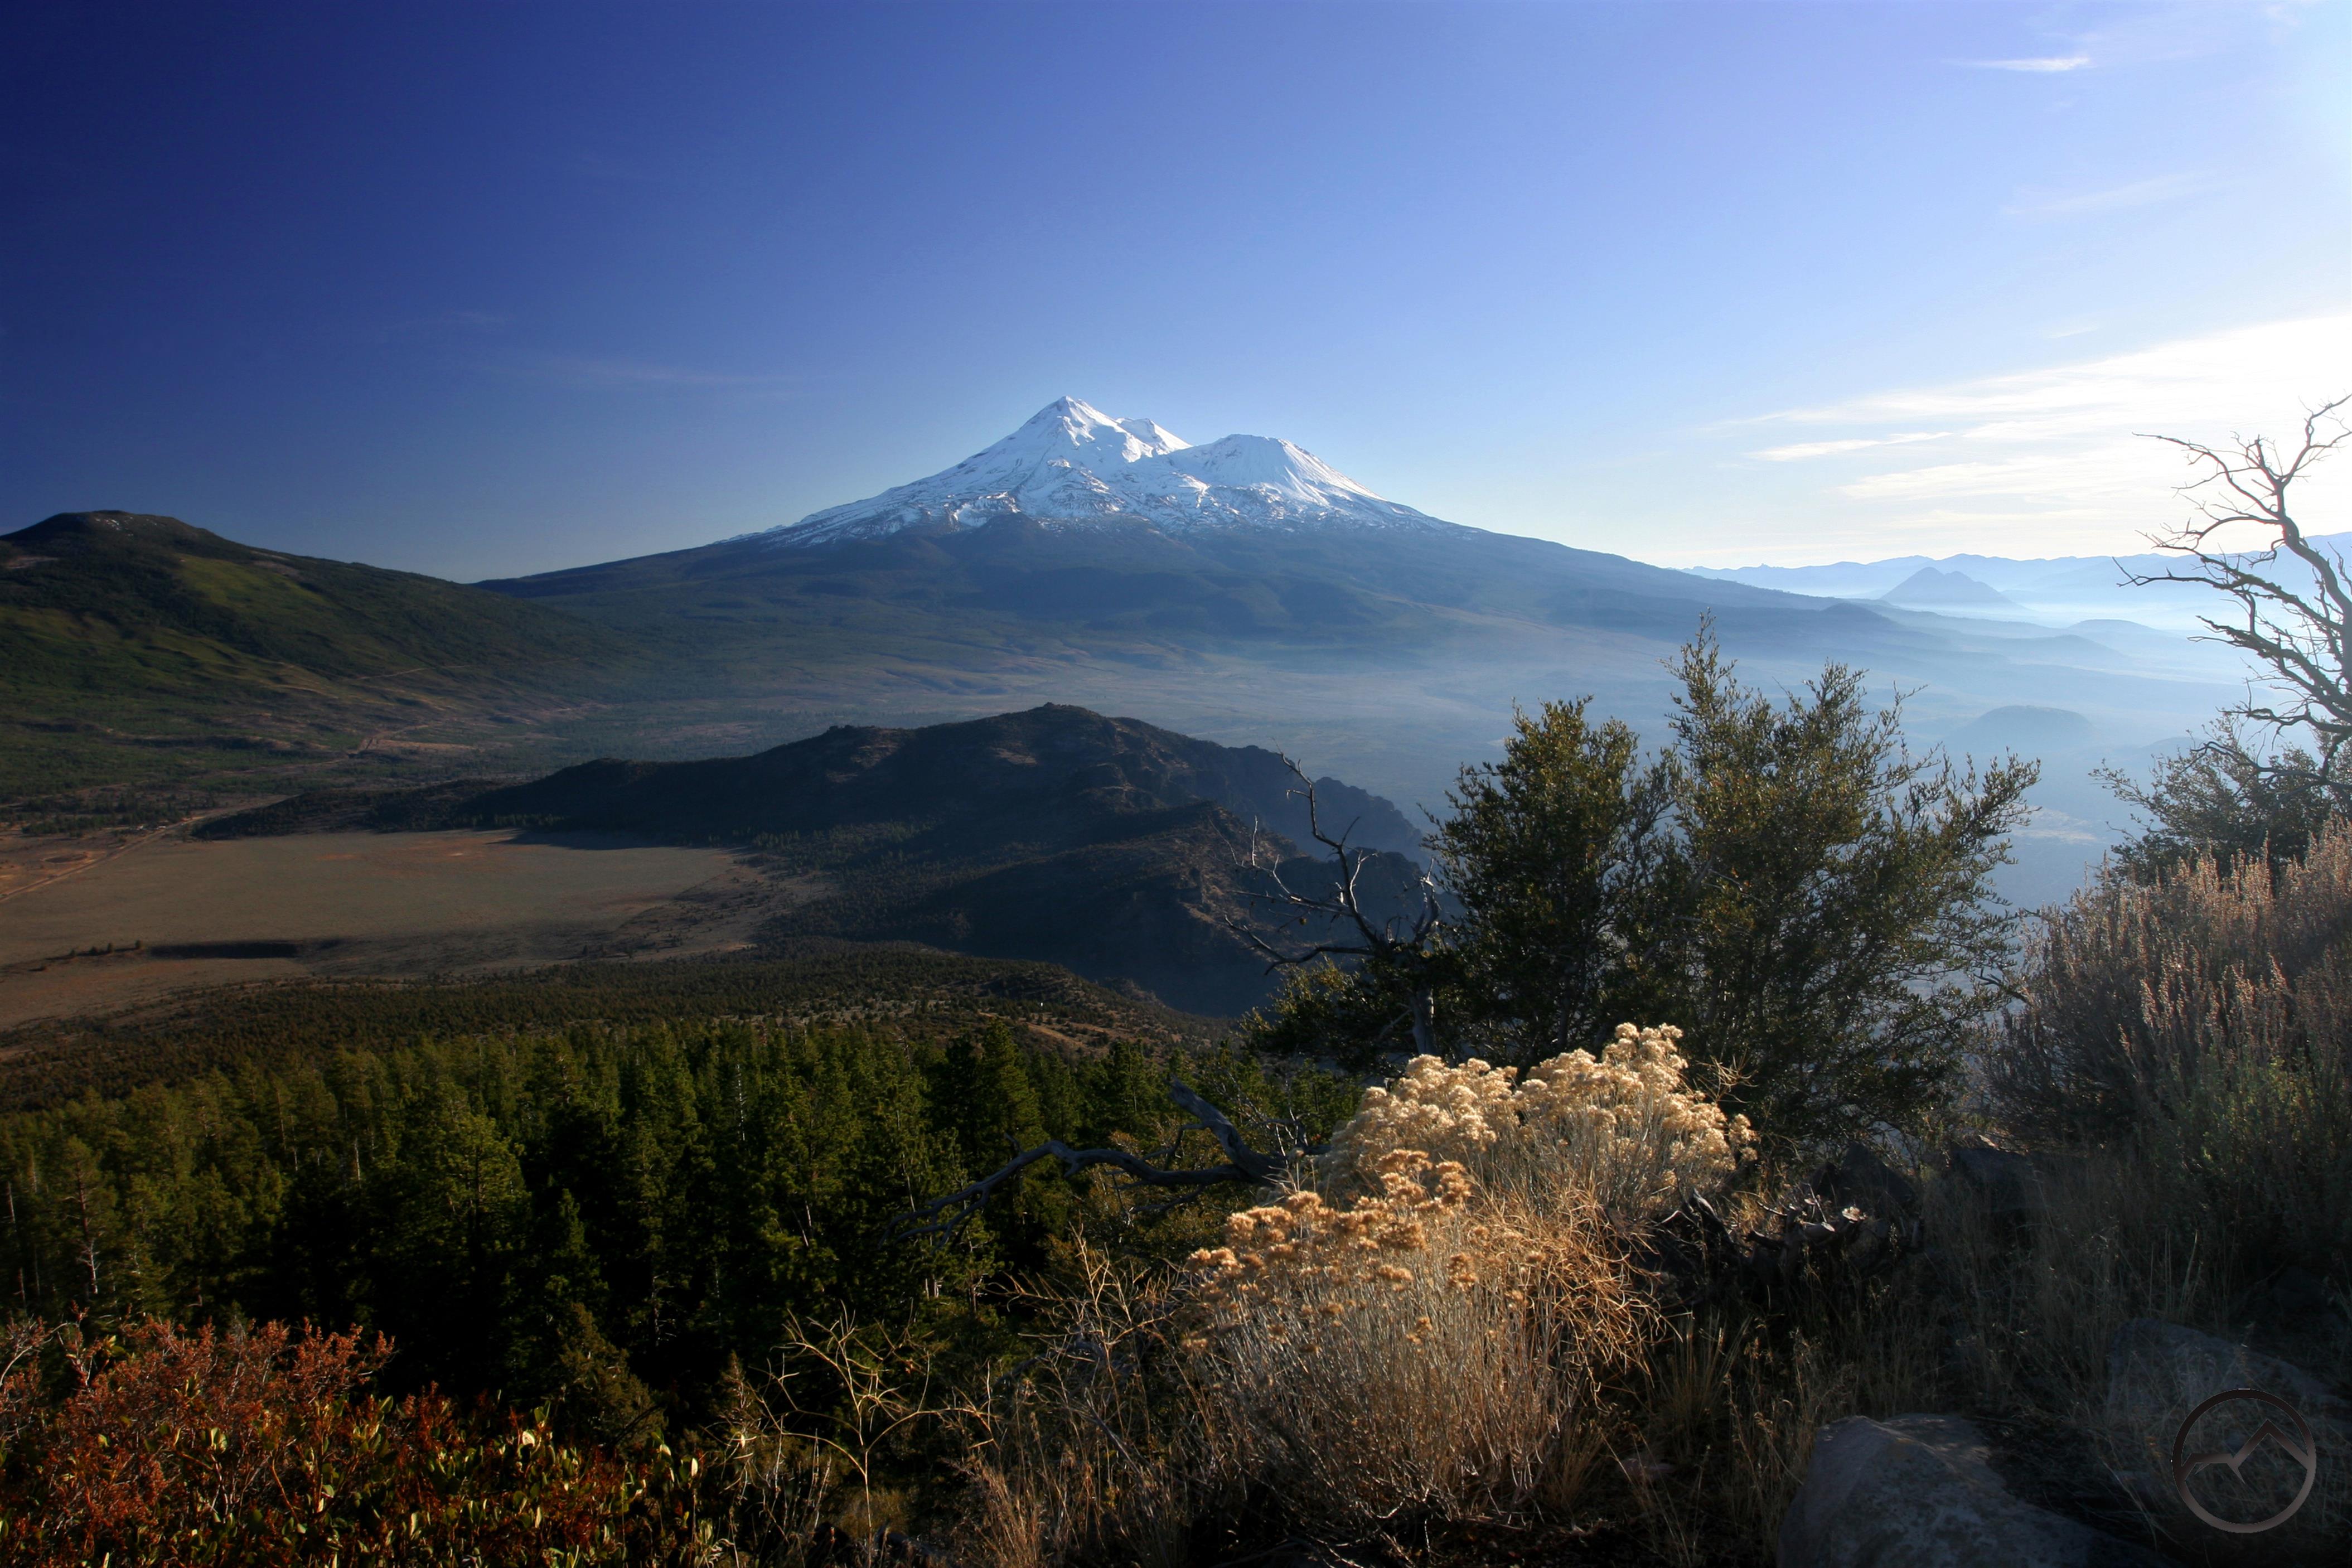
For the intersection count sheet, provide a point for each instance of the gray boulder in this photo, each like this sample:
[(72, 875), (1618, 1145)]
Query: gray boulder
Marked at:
[(1917, 1492), (2009, 1187), (2159, 1372)]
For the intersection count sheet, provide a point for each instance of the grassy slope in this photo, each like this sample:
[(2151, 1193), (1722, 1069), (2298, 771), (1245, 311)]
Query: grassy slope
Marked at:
[(137, 648)]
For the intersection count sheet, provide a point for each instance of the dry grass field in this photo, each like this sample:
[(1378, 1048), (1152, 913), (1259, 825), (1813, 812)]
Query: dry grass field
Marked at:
[(89, 926)]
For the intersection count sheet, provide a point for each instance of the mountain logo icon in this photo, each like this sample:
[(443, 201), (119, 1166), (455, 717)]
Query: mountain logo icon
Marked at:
[(2294, 1437)]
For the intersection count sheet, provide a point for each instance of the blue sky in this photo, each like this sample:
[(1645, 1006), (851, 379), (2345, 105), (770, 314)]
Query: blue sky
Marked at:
[(480, 290)]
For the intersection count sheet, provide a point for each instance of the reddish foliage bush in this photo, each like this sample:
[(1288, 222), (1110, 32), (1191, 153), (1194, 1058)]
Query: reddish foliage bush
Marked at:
[(262, 1447)]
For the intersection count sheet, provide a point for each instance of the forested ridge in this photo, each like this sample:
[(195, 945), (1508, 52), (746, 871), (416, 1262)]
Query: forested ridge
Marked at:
[(600, 1217), (915, 991)]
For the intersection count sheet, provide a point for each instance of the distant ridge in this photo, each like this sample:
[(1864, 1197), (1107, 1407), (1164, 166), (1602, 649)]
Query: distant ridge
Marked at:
[(1928, 585), (1115, 849), (138, 648), (148, 578), (2066, 588), (1046, 759)]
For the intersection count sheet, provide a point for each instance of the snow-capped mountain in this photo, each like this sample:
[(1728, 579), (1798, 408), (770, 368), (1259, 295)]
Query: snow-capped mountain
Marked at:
[(1072, 463)]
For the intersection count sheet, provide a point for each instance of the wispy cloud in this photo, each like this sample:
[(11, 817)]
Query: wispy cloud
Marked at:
[(598, 374), (1804, 449), (2042, 65), (2034, 202), (2051, 461)]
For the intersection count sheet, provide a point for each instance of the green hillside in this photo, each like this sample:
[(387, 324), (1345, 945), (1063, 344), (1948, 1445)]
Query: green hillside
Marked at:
[(136, 647)]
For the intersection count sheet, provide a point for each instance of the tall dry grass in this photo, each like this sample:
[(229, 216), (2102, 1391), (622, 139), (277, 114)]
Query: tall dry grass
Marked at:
[(2203, 1026), (2188, 1042), (2006, 1324)]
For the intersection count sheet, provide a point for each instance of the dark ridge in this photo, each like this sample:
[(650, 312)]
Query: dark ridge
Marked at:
[(1120, 850)]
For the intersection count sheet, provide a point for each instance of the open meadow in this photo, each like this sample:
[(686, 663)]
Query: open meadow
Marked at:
[(91, 927)]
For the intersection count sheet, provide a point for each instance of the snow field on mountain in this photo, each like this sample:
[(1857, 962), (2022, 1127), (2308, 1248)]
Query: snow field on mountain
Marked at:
[(1072, 463)]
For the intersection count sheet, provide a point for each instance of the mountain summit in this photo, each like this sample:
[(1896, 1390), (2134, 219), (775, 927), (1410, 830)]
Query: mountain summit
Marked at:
[(1072, 463)]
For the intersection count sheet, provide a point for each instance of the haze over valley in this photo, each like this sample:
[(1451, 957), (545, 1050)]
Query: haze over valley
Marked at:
[(1245, 591)]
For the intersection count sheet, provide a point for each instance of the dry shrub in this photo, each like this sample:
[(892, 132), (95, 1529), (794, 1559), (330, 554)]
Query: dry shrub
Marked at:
[(2006, 1324), (259, 1447), (797, 1461), (1623, 1129), (1091, 1452), (1434, 1335), (2203, 1024), (1412, 1351)]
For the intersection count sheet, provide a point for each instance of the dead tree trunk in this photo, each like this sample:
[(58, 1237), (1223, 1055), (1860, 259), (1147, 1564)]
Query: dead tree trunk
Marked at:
[(2299, 631), (1399, 948)]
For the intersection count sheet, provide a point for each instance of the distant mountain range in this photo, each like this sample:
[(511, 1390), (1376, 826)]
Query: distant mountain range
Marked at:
[(1245, 591), (1113, 848), (1932, 589), (2061, 588)]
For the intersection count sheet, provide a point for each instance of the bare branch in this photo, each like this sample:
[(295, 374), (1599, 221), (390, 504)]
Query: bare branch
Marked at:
[(1263, 1168), (2299, 631), (1404, 948), (946, 1214)]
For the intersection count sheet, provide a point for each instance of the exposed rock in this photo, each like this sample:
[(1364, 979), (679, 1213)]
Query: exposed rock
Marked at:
[(1861, 1177), (2295, 1297), (2008, 1186), (2245, 1459), (2159, 1372), (1917, 1492)]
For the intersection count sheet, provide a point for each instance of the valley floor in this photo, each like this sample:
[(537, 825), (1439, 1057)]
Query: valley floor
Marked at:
[(90, 926)]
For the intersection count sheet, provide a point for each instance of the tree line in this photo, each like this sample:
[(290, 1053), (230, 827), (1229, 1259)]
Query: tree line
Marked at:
[(603, 1217)]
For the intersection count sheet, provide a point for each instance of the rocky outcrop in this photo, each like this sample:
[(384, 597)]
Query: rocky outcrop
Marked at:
[(1915, 1491), (2009, 1187)]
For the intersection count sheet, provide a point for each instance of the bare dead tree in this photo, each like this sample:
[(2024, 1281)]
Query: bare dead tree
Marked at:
[(2296, 631), (948, 1214), (1396, 945)]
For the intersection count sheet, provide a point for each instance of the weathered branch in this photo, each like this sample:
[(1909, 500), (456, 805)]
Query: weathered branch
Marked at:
[(2301, 635), (1851, 1219), (946, 1214), (1263, 1168), (1382, 942)]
